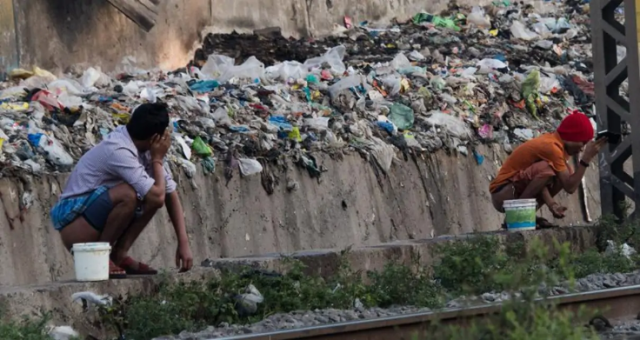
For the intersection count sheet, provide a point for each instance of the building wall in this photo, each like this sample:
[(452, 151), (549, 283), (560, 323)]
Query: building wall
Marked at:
[(55, 34)]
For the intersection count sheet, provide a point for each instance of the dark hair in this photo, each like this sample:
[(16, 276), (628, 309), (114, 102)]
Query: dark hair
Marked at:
[(148, 120)]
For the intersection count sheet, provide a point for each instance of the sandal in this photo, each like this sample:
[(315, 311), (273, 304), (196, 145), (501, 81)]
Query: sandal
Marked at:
[(133, 267), (116, 272)]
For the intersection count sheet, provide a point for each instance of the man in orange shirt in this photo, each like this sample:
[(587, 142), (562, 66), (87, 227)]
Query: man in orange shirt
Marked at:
[(538, 168)]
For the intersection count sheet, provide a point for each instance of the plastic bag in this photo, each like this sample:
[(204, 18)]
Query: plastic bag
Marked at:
[(47, 99), (70, 101), (383, 153), (14, 93), (52, 150), (333, 57), (547, 84), (393, 83), (402, 116), (520, 31), (247, 303), (346, 83), (478, 18), (216, 65), (201, 148), (67, 85), (252, 69), (249, 166), (320, 123), (542, 29), (400, 61), (292, 69), (387, 125), (188, 167), (415, 55), (90, 77), (192, 105), (545, 44), (530, 91), (489, 65), (453, 125), (221, 117)]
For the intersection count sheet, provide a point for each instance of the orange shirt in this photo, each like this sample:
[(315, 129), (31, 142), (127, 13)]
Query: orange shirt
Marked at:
[(548, 147)]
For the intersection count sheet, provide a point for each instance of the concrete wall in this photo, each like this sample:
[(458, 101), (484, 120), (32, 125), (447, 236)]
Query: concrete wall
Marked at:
[(433, 197), (54, 34)]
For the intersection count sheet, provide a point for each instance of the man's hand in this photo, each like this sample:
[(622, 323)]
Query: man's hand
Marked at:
[(184, 259), (160, 145), (593, 149), (557, 210)]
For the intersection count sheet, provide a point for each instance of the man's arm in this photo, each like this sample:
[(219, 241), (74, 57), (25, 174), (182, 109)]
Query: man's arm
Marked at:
[(571, 182), (184, 259), (174, 208)]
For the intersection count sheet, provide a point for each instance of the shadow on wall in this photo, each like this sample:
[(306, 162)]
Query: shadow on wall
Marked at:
[(72, 17)]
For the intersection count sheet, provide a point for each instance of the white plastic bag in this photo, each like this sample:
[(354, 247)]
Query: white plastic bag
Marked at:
[(90, 77), (415, 55), (221, 117), (520, 31), (346, 83), (542, 29), (548, 83), (286, 70), (69, 100), (383, 153), (63, 333), (333, 57), (400, 61), (12, 93), (55, 153), (453, 125), (478, 18), (216, 65), (252, 69), (489, 65), (67, 85), (545, 44), (249, 166), (320, 123)]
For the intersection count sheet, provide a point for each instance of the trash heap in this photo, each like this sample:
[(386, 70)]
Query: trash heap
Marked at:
[(502, 74)]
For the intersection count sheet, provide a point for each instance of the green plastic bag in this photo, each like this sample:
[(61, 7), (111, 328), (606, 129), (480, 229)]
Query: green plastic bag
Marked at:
[(439, 21), (201, 148), (445, 23), (402, 116), (530, 92)]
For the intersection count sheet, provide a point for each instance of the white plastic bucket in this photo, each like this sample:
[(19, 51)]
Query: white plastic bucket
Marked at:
[(521, 214), (91, 261)]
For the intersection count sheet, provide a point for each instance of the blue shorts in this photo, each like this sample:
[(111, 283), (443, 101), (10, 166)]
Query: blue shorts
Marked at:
[(95, 207)]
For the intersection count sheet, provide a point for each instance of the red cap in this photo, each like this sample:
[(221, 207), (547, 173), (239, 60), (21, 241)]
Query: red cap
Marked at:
[(576, 127)]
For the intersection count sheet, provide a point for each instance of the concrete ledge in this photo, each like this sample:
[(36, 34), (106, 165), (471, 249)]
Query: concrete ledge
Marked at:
[(326, 262)]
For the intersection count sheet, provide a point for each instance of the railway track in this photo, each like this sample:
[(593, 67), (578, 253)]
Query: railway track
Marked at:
[(615, 303)]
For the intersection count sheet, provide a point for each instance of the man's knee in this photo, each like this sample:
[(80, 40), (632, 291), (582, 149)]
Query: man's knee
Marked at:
[(125, 195)]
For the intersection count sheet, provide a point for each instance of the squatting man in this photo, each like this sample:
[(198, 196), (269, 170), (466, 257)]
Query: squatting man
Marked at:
[(118, 186), (539, 167)]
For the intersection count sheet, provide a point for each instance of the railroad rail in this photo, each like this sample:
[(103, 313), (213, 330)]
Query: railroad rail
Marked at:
[(615, 303)]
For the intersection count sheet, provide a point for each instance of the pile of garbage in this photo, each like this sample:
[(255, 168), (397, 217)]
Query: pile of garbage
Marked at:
[(500, 74)]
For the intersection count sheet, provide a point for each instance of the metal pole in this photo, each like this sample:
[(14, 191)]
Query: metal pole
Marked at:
[(612, 109)]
